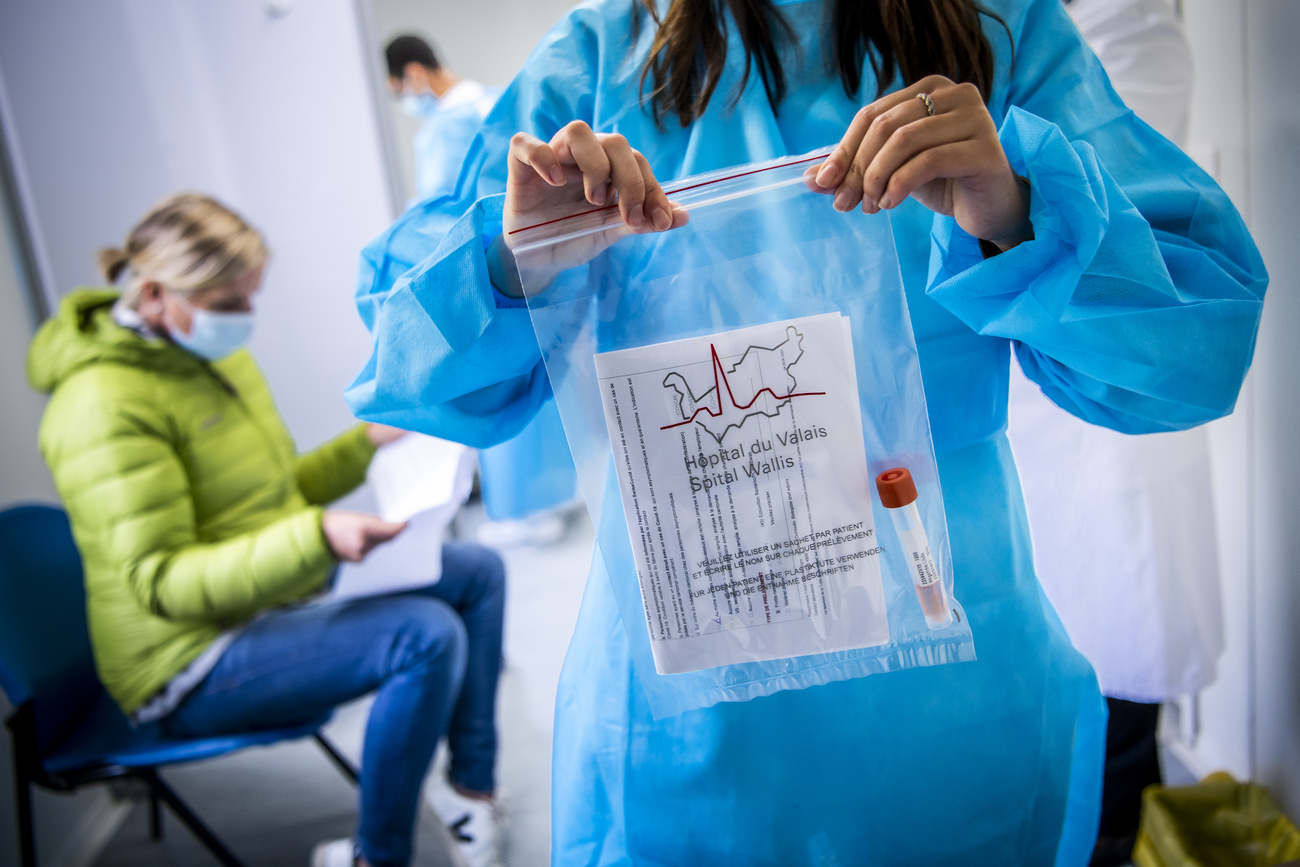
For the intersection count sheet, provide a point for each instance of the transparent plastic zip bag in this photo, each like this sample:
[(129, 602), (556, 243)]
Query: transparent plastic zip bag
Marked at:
[(743, 400)]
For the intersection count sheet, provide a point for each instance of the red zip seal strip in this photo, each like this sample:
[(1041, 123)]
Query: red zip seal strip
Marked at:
[(675, 191)]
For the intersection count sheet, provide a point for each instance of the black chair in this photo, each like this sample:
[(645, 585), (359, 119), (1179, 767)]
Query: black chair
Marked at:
[(66, 731)]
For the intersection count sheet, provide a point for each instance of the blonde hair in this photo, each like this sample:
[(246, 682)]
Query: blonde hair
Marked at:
[(187, 243)]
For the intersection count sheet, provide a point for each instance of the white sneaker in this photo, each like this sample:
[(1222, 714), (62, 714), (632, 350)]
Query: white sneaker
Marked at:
[(474, 825), (538, 531), (334, 853)]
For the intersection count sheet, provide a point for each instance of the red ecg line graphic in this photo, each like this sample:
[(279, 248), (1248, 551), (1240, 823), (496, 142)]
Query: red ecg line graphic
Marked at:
[(719, 373)]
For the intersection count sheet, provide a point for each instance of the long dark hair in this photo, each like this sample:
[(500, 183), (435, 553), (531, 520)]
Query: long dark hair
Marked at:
[(914, 38)]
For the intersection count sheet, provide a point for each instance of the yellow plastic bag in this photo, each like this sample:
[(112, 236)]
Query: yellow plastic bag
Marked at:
[(1218, 822)]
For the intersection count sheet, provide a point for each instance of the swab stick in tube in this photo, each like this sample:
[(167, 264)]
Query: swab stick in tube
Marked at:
[(898, 495)]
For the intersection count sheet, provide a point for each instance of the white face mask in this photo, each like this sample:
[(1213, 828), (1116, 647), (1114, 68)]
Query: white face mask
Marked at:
[(213, 334), (418, 104)]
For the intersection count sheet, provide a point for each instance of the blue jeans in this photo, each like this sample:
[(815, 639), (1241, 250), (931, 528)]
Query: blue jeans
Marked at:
[(431, 655)]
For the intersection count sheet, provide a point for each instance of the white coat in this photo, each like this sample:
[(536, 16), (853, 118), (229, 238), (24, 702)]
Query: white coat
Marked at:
[(1123, 526)]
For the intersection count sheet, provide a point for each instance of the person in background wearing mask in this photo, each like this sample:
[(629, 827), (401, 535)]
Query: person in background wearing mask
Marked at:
[(1123, 526), (529, 479), (451, 108), (200, 527)]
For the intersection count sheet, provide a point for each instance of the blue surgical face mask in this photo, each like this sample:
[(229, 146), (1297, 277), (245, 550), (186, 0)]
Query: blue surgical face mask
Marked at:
[(418, 104), (213, 334)]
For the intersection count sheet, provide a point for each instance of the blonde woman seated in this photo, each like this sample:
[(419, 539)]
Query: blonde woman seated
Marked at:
[(198, 523)]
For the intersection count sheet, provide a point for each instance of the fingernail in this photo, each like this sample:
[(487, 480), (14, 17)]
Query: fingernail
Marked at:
[(636, 216), (660, 218), (885, 202), (827, 175), (557, 176), (598, 196), (843, 200)]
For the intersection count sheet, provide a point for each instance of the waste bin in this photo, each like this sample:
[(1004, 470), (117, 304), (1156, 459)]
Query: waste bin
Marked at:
[(1218, 822)]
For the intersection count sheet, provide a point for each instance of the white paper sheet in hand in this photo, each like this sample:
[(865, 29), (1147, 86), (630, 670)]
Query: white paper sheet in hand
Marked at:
[(422, 480), (419, 473), (744, 484)]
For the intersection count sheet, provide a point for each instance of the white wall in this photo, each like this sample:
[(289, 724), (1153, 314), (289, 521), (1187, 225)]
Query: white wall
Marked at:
[(23, 477), (1274, 128), (464, 44), (118, 103), (1246, 122)]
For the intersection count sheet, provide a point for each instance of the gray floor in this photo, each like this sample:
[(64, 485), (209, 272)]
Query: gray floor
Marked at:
[(271, 805)]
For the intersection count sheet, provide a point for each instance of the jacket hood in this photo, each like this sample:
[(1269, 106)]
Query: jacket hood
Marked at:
[(83, 333)]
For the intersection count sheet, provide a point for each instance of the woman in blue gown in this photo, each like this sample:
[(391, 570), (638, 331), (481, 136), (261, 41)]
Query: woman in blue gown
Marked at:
[(1133, 304)]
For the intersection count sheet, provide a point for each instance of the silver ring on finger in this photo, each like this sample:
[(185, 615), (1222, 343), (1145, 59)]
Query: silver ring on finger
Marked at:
[(929, 103)]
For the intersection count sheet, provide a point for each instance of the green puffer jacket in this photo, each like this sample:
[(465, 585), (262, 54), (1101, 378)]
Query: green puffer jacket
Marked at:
[(189, 503)]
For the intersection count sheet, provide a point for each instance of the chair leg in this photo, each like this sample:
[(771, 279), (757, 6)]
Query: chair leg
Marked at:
[(26, 835), (191, 821), (340, 761), (155, 815), (22, 741)]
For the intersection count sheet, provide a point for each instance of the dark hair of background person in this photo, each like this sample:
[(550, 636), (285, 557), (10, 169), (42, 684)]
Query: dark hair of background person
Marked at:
[(914, 38), (409, 49)]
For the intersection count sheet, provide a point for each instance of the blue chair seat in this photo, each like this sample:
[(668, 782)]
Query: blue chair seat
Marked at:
[(106, 737), (66, 730)]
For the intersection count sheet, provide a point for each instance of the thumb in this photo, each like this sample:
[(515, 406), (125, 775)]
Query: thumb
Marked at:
[(376, 533), (382, 531)]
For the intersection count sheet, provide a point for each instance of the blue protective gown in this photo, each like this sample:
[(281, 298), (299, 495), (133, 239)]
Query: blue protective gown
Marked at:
[(1135, 307), (532, 471)]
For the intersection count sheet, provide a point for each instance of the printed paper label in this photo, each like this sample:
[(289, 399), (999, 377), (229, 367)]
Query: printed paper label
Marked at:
[(744, 484)]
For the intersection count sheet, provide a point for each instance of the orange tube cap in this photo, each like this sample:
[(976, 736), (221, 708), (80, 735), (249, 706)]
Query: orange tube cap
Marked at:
[(896, 488)]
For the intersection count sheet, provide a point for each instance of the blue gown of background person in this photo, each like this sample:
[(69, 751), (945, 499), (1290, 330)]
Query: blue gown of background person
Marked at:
[(447, 129), (1135, 307), (533, 471)]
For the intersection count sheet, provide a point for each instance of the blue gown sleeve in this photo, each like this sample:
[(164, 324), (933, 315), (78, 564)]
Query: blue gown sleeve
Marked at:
[(1136, 305), (450, 355)]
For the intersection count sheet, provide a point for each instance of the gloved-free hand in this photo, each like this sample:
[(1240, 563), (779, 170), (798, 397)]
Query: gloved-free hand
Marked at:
[(952, 162), (382, 434), (352, 535), (577, 167)]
